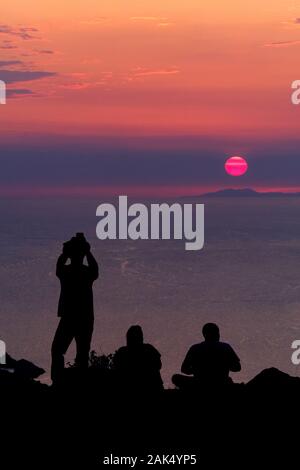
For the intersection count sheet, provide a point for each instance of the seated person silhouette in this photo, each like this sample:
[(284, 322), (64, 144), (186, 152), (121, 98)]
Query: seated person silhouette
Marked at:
[(75, 307), (137, 365), (209, 362)]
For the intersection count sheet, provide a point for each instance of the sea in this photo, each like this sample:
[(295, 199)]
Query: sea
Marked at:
[(246, 279)]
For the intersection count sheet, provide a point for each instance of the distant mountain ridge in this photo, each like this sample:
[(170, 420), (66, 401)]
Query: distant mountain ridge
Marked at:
[(248, 192)]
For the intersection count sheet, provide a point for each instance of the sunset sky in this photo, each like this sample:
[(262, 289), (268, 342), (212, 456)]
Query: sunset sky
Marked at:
[(148, 96)]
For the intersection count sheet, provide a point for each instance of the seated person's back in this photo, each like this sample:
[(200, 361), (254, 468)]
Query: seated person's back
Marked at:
[(210, 361), (138, 364)]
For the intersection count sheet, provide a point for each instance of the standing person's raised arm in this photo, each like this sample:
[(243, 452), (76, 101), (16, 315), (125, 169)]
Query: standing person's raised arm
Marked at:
[(62, 259), (92, 264)]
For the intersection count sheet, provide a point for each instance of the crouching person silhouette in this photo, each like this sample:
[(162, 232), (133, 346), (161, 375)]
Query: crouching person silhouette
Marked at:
[(208, 363), (75, 307), (137, 365)]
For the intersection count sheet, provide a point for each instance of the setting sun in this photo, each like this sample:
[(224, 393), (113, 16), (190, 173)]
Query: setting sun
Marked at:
[(236, 166)]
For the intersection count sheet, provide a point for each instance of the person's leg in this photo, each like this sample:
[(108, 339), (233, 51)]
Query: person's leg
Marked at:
[(61, 342), (83, 338)]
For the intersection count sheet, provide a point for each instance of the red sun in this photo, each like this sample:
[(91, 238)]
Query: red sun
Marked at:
[(236, 166)]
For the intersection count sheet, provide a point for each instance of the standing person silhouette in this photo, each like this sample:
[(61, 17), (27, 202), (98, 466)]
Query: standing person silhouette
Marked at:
[(75, 307), (208, 363)]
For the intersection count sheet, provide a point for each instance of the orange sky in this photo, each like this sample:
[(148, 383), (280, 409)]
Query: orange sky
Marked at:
[(151, 67)]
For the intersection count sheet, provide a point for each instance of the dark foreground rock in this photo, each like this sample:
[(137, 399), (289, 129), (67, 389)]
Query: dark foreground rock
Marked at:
[(83, 423)]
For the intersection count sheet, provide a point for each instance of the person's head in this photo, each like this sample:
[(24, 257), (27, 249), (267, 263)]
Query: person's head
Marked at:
[(76, 249), (135, 336), (211, 332)]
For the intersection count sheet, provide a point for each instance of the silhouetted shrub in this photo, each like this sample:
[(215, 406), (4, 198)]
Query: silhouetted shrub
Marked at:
[(102, 362)]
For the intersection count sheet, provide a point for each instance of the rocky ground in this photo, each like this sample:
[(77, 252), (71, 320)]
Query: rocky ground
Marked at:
[(88, 424)]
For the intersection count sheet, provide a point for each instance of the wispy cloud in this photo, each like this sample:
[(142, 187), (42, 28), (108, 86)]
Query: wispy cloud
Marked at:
[(19, 92), (95, 21), (13, 76), (78, 85), (44, 51), (291, 24), (15, 72), (144, 72), (6, 63), (282, 43), (84, 82), (8, 44), (23, 32), (157, 20)]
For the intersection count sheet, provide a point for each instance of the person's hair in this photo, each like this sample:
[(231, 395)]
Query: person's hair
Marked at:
[(134, 336), (211, 332)]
